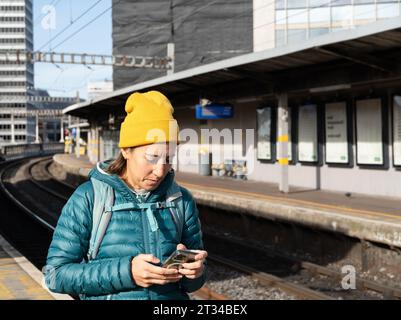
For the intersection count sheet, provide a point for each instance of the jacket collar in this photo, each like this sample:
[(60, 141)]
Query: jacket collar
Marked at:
[(159, 194)]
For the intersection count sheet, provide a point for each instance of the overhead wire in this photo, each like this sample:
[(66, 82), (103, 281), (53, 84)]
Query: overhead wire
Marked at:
[(86, 25), (77, 31), (70, 25)]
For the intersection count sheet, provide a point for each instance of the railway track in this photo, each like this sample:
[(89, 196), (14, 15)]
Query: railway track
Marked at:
[(290, 268), (21, 226), (39, 172), (270, 269)]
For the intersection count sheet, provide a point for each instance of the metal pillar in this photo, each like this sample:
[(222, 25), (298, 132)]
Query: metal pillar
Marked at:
[(78, 142), (61, 130), (282, 141), (37, 129)]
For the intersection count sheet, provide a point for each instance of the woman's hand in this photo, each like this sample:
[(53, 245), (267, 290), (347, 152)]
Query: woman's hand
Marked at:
[(145, 274), (193, 270)]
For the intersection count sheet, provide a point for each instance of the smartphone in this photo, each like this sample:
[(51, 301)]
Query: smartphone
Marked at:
[(179, 257)]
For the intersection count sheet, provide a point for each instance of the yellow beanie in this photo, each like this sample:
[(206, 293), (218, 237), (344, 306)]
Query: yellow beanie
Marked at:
[(149, 120)]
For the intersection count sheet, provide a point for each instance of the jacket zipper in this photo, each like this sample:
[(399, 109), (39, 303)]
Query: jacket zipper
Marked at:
[(146, 241)]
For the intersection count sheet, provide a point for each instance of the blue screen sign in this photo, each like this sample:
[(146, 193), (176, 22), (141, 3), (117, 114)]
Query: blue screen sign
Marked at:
[(214, 111)]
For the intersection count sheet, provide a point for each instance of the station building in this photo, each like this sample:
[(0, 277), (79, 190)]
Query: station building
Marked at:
[(16, 79), (337, 98)]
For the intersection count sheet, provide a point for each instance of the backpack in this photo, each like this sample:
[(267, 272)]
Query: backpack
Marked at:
[(103, 208)]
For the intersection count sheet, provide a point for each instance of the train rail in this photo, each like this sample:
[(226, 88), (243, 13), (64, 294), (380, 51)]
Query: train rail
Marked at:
[(22, 227), (364, 288), (271, 269)]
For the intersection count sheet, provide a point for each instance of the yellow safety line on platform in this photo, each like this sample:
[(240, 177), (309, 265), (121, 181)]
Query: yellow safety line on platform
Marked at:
[(283, 161), (283, 138), (5, 294), (279, 199)]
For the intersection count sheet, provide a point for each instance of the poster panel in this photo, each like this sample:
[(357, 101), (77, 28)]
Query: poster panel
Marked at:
[(369, 132), (307, 133), (264, 146), (397, 130), (336, 133)]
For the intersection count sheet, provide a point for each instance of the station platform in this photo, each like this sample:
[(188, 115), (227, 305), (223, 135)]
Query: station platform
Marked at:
[(19, 279), (369, 218)]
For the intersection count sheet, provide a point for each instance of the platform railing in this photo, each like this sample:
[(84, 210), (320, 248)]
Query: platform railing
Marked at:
[(18, 151)]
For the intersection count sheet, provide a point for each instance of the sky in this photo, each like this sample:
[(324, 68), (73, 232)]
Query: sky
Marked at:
[(50, 18)]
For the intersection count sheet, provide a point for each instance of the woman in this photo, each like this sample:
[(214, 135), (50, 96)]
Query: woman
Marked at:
[(128, 264)]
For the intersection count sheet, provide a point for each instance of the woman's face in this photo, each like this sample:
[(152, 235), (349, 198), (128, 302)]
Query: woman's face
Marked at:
[(148, 165)]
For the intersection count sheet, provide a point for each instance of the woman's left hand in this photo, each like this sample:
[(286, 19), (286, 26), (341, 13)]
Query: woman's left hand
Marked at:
[(193, 270)]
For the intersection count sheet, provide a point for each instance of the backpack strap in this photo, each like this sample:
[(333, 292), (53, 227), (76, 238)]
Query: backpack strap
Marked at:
[(103, 208), (177, 210), (101, 215)]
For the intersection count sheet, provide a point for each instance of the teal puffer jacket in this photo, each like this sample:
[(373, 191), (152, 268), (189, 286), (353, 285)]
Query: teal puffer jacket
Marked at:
[(128, 234)]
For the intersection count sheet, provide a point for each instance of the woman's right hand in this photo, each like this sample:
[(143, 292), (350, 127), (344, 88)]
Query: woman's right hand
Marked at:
[(145, 274)]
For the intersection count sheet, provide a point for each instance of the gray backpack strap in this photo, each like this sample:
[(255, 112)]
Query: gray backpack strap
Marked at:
[(103, 198), (174, 195)]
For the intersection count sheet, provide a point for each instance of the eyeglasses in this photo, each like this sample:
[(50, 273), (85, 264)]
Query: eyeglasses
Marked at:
[(154, 158)]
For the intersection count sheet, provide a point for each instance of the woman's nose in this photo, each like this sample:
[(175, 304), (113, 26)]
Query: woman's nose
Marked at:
[(160, 168)]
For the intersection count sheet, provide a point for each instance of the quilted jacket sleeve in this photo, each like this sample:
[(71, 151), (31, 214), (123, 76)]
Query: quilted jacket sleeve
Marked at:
[(192, 239), (64, 272)]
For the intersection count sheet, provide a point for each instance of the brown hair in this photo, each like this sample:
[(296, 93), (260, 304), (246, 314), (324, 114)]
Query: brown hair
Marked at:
[(118, 165)]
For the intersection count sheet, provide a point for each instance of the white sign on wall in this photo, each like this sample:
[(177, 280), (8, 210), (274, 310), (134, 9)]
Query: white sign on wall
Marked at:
[(264, 133), (307, 133), (397, 130), (336, 132), (369, 132)]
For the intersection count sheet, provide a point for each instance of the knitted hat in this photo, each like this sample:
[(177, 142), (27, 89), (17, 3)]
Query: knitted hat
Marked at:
[(149, 120)]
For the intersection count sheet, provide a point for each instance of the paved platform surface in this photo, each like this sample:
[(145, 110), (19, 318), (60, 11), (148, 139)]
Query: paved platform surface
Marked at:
[(19, 279), (80, 165), (365, 217), (300, 196)]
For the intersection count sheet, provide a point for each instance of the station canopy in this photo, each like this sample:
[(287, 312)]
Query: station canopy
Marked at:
[(368, 55)]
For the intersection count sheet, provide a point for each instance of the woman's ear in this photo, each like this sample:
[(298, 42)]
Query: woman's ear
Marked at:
[(125, 152)]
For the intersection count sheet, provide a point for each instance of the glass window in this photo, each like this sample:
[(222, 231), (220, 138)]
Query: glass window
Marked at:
[(336, 3), (387, 10), (291, 4), (280, 17), (318, 3), (334, 29), (280, 38), (365, 11), (363, 1), (296, 35), (343, 13), (319, 15), (297, 16), (280, 4), (315, 32)]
